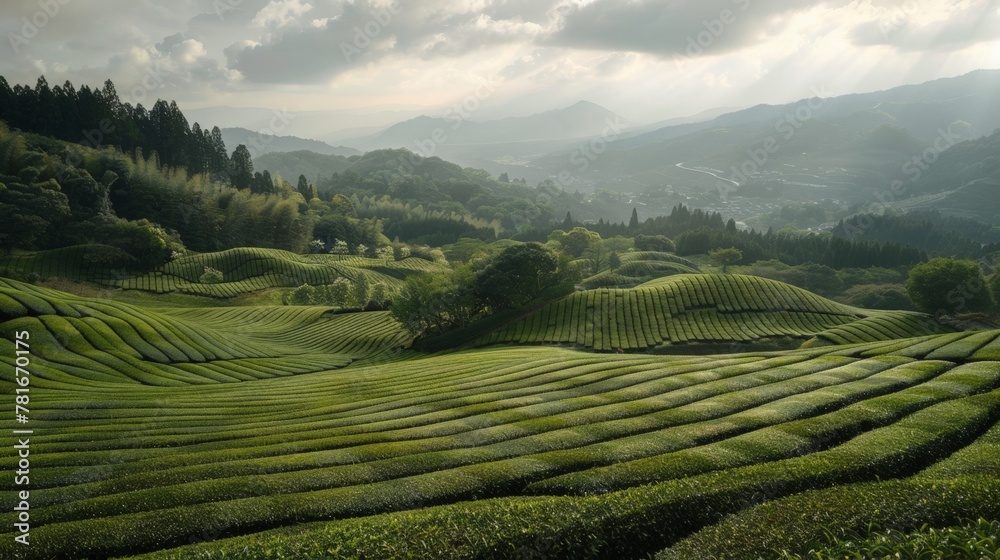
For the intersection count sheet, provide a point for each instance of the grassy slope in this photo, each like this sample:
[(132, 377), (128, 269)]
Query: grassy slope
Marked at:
[(703, 308), (126, 468), (245, 270), (638, 267), (79, 340)]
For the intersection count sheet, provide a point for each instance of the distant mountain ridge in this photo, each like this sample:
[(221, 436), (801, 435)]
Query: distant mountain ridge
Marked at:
[(260, 144), (580, 120), (837, 137), (897, 103), (301, 162)]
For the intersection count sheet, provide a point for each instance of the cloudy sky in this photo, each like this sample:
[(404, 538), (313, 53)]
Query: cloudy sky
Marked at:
[(645, 59)]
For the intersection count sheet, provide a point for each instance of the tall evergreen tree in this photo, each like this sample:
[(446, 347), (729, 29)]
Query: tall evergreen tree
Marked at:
[(241, 168), (219, 158), (304, 188), (568, 222)]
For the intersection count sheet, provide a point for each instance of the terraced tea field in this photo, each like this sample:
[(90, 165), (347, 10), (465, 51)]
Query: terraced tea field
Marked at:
[(81, 340), (703, 308), (244, 270), (638, 267), (235, 433)]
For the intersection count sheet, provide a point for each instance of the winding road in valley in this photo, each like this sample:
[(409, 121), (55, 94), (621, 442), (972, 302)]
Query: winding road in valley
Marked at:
[(730, 181)]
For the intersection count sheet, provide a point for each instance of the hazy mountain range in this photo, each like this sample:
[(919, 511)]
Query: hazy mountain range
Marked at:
[(846, 148), (259, 143)]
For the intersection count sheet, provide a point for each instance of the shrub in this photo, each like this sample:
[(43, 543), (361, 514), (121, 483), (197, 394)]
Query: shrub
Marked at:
[(948, 286), (211, 276), (878, 296), (339, 247), (659, 243), (303, 295), (972, 539), (316, 246)]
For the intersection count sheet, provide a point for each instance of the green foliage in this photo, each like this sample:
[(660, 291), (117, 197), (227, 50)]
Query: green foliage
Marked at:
[(427, 304), (948, 286), (658, 243), (361, 291), (29, 213), (706, 232), (244, 270), (241, 168), (576, 241), (146, 242), (726, 257), (363, 451), (112, 342), (806, 525), (211, 276), (303, 295), (516, 276), (637, 267), (343, 293), (926, 230), (995, 289), (338, 293), (614, 261), (822, 279), (878, 296), (681, 309), (972, 539)]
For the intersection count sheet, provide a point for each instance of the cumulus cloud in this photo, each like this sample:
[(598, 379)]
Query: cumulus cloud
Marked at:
[(911, 27), (529, 63), (671, 27), (367, 31), (545, 51), (281, 13), (617, 63), (361, 33)]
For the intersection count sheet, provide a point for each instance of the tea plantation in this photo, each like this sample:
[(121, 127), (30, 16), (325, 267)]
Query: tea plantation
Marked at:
[(703, 308), (244, 270), (297, 432)]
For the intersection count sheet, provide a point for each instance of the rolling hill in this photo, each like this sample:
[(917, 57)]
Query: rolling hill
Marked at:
[(301, 162), (486, 453), (580, 120), (260, 144), (821, 146), (638, 267), (79, 340), (244, 270), (679, 310)]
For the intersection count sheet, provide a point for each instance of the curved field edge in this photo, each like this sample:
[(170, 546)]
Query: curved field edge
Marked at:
[(969, 539), (678, 311), (961, 487), (630, 520), (244, 270), (79, 340), (561, 528), (639, 267), (801, 525), (634, 522)]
